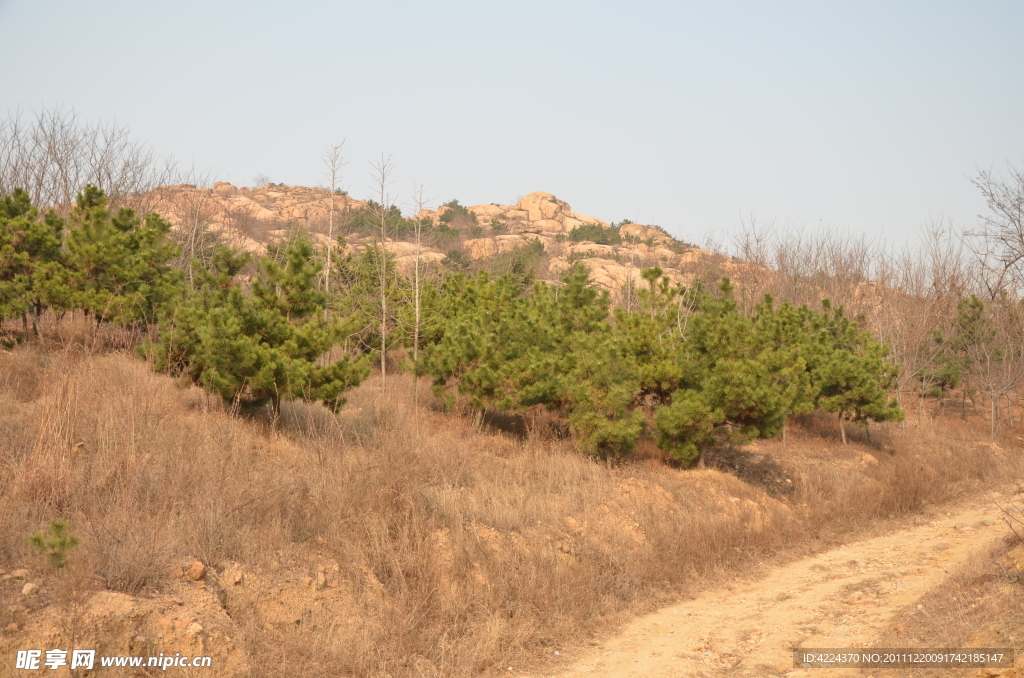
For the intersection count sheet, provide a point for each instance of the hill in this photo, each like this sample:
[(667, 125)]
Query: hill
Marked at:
[(251, 218), (466, 531)]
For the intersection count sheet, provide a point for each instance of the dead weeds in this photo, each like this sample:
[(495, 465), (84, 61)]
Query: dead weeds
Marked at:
[(395, 540)]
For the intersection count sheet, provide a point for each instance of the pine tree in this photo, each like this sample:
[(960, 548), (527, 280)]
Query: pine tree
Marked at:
[(356, 294), (30, 259), (851, 376), (552, 347), (117, 265), (720, 375), (984, 348), (728, 376), (259, 347)]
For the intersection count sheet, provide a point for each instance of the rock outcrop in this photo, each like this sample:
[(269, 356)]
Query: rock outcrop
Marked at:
[(536, 213), (251, 218), (640, 233), (239, 214)]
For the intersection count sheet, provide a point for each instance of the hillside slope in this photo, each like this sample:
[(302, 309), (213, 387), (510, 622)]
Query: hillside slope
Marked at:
[(250, 219), (395, 539)]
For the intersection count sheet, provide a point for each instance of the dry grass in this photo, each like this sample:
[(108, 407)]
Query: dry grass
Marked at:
[(459, 550), (978, 605), (900, 470)]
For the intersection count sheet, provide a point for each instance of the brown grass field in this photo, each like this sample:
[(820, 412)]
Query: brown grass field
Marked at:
[(432, 544)]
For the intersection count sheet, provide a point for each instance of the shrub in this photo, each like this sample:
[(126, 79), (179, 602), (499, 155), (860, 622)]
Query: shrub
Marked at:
[(458, 216), (596, 233), (456, 259)]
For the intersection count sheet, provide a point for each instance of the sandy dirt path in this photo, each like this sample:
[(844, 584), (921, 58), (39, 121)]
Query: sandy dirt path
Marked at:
[(840, 598)]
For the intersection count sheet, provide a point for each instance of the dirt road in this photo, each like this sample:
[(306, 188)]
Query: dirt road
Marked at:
[(840, 598)]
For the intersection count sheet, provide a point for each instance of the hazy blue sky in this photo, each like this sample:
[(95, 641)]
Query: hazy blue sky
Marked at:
[(867, 116)]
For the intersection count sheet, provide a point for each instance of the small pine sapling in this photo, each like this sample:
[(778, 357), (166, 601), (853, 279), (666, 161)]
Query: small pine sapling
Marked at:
[(55, 544)]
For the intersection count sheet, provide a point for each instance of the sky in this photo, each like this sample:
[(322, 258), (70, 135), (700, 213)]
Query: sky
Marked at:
[(868, 117)]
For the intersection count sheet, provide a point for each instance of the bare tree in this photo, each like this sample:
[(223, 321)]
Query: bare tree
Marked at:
[(991, 346), (381, 177), (999, 245), (916, 295), (53, 154), (193, 234), (419, 203), (334, 161)]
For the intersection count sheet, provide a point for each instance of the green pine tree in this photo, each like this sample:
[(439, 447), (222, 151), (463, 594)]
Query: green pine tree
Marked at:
[(31, 260), (118, 266), (258, 347), (851, 375)]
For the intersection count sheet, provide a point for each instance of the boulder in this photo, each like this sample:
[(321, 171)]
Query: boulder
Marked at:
[(538, 212), (639, 232), (539, 205), (197, 571), (542, 206), (517, 215), (490, 210), (583, 219), (233, 575), (548, 226), (478, 248), (224, 188)]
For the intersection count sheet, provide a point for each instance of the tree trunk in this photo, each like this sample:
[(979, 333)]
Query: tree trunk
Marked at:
[(784, 422), (330, 247), (383, 320), (334, 162), (382, 180), (416, 339), (992, 419), (842, 428)]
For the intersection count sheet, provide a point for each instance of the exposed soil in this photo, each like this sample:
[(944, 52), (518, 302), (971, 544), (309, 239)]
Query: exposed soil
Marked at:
[(840, 598), (761, 470)]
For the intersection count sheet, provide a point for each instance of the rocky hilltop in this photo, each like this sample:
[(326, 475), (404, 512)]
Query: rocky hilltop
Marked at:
[(536, 213), (251, 218), (246, 217)]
